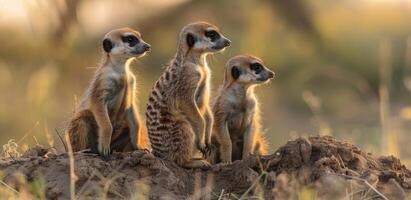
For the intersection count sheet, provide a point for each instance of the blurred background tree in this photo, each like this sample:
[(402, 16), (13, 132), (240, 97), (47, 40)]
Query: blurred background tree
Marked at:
[(343, 67)]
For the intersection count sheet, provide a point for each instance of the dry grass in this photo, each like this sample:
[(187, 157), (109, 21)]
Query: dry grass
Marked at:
[(73, 177)]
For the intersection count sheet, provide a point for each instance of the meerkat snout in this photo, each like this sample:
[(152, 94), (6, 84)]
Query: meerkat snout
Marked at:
[(227, 43), (147, 47), (222, 44), (219, 41), (136, 46), (271, 75), (262, 72)]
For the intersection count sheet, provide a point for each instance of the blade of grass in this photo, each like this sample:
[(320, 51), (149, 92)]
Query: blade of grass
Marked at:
[(221, 195), (9, 187), (73, 177), (243, 196), (61, 139)]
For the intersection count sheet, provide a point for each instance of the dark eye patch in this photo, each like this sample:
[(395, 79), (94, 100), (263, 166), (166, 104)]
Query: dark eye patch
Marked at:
[(212, 34), (130, 39), (256, 67)]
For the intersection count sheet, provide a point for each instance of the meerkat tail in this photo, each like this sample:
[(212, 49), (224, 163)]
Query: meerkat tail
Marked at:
[(79, 130), (261, 145), (144, 140)]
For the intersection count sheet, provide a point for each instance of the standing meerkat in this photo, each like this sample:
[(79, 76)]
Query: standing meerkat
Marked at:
[(178, 115), (236, 130), (107, 117)]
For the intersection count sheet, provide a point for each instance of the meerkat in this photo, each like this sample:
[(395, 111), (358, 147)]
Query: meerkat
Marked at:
[(178, 118), (107, 117), (236, 129)]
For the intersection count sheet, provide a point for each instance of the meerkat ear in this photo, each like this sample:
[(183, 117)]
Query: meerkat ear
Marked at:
[(235, 72), (107, 45), (190, 40)]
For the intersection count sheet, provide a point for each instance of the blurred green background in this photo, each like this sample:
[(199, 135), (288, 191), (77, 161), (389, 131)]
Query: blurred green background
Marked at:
[(343, 67)]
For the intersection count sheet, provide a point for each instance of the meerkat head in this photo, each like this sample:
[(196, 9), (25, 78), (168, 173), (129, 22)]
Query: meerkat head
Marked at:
[(124, 43), (247, 70), (203, 37)]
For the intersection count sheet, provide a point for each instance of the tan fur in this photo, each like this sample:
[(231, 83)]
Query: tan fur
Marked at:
[(179, 118), (108, 118), (237, 130)]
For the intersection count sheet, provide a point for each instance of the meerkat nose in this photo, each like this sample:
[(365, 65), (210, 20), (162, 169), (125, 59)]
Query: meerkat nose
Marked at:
[(227, 42), (271, 75), (147, 47)]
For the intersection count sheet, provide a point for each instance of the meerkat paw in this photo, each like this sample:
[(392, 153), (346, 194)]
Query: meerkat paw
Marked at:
[(208, 150), (145, 150), (201, 146), (227, 163), (104, 151), (205, 165), (208, 142), (226, 160), (205, 152)]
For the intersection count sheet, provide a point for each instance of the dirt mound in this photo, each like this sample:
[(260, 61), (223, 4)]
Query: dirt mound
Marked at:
[(320, 166)]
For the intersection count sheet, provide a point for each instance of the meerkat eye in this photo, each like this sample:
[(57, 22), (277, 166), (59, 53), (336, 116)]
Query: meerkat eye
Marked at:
[(130, 39), (212, 34), (257, 67)]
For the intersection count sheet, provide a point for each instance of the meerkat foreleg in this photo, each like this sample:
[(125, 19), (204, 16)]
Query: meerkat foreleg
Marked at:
[(223, 137), (134, 126), (248, 140), (197, 122), (209, 121), (101, 115)]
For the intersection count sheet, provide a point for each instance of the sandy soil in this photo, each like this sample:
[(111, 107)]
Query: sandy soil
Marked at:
[(329, 167)]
